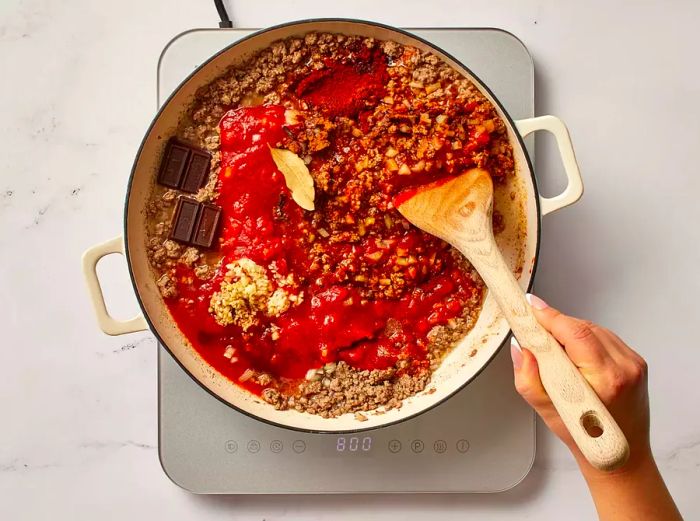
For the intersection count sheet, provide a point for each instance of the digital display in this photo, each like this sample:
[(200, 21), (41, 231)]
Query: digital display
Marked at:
[(353, 444)]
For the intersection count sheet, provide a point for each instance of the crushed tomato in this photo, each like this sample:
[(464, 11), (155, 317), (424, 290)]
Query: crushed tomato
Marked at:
[(334, 322)]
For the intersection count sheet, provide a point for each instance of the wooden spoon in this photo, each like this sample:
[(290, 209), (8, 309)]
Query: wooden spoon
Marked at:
[(459, 212)]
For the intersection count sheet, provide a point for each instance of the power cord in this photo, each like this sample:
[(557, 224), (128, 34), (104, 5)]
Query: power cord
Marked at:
[(225, 22)]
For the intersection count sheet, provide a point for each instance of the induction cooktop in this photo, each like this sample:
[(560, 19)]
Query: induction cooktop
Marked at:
[(480, 440)]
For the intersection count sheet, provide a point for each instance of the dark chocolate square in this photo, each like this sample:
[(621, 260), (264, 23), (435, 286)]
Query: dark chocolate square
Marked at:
[(207, 225), (185, 219), (175, 163), (197, 171)]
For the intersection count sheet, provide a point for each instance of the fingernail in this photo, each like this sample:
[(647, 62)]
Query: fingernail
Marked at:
[(536, 302), (516, 353)]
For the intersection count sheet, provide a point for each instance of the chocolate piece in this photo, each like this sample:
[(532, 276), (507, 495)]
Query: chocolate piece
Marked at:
[(184, 167), (196, 172), (195, 223), (185, 219), (207, 225), (174, 165)]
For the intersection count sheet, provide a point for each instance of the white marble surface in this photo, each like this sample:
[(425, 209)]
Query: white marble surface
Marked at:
[(78, 432)]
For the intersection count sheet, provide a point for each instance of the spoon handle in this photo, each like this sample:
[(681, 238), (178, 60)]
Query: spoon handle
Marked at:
[(591, 425)]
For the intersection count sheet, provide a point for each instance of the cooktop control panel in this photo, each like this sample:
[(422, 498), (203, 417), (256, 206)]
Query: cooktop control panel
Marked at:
[(352, 445)]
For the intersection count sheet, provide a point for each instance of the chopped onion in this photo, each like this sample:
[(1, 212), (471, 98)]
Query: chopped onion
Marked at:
[(433, 87), (247, 375), (418, 167), (391, 165)]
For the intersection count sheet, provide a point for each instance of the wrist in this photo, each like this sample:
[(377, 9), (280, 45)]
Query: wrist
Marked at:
[(635, 489), (640, 462)]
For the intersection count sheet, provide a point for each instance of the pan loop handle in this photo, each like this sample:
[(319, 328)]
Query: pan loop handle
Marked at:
[(574, 187), (107, 323)]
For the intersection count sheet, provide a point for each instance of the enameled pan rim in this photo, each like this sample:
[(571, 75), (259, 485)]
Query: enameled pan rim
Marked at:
[(481, 86)]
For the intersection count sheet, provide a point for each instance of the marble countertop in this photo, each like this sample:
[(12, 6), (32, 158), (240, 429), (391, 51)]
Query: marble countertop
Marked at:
[(79, 431)]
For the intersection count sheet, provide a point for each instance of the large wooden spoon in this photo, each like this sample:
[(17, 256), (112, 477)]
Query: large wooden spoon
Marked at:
[(459, 212)]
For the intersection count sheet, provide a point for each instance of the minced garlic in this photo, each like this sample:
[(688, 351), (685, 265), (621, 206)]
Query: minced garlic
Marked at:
[(278, 303), (245, 291)]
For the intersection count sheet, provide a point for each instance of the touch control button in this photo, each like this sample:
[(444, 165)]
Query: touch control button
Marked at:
[(253, 446), (231, 446), (417, 446), (394, 446), (298, 446), (462, 446), (276, 446), (440, 446)]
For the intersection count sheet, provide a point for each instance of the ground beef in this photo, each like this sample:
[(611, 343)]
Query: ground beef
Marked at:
[(339, 389), (167, 287)]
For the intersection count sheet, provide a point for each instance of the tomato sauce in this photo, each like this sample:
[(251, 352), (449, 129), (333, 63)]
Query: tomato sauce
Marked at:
[(343, 316)]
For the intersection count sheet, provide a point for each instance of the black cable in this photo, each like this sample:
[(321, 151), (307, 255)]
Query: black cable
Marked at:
[(221, 9)]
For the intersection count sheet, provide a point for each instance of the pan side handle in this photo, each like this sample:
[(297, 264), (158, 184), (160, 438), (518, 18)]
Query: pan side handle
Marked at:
[(107, 323), (574, 187)]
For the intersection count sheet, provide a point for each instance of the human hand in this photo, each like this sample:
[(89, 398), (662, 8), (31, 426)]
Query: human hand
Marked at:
[(616, 373)]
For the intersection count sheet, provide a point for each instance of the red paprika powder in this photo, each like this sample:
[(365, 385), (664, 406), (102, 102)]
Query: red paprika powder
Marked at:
[(345, 89)]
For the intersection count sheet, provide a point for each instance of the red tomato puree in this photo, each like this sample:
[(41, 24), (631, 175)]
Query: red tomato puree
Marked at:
[(333, 322)]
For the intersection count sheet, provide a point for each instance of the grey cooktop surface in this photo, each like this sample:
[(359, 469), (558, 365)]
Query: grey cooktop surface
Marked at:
[(481, 440)]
